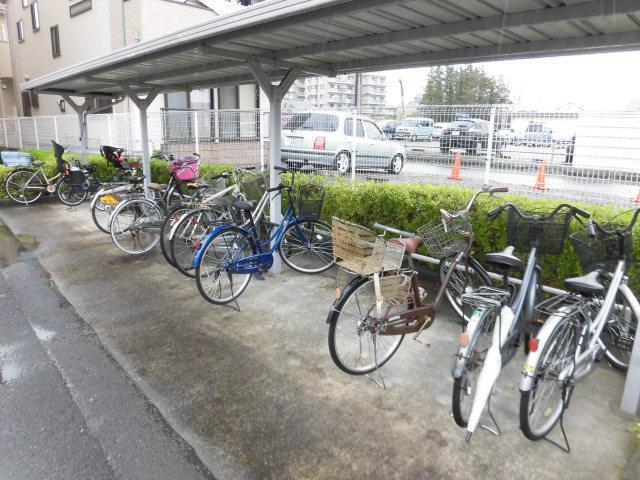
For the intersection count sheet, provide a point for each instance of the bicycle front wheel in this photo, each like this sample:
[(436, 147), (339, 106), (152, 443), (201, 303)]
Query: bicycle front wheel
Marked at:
[(192, 229), (216, 283), (468, 363), (352, 345), (307, 246), (173, 217), (135, 226), (71, 195), (542, 406), (24, 186), (620, 333), (464, 279)]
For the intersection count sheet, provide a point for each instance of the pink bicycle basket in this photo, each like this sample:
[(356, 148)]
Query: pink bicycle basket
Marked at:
[(186, 169)]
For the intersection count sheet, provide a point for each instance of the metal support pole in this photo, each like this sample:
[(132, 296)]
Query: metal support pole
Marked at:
[(81, 111), (144, 144), (275, 135), (492, 126), (6, 138), (109, 129), (261, 126), (35, 130), (19, 132), (354, 136), (631, 392), (55, 129), (196, 132)]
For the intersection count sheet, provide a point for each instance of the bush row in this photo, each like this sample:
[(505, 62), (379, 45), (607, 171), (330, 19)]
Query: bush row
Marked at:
[(406, 206)]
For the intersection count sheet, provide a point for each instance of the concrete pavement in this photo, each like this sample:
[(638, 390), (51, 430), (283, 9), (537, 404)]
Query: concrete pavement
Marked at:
[(257, 396)]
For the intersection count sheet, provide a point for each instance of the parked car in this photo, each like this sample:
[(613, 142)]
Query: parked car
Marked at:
[(389, 127), (537, 134), (415, 129), (325, 139), (471, 134), (506, 136), (438, 128)]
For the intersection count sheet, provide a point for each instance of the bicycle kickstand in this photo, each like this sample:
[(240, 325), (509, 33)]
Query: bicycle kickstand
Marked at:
[(497, 432), (379, 382), (567, 447)]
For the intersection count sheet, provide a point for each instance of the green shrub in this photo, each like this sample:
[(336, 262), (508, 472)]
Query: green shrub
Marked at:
[(404, 206)]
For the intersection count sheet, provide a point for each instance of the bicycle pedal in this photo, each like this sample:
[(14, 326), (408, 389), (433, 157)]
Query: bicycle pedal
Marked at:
[(416, 338)]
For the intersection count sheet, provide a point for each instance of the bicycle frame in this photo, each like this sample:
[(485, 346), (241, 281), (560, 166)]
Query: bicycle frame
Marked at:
[(48, 181)]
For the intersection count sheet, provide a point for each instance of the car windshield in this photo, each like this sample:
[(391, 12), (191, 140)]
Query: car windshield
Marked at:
[(320, 122)]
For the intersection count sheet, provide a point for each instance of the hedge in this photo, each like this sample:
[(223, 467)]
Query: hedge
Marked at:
[(408, 206)]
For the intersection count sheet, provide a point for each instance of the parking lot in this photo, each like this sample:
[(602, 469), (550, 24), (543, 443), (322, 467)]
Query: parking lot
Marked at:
[(257, 396)]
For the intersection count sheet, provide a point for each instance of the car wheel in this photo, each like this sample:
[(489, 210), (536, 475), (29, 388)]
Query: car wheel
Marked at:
[(397, 162), (343, 162)]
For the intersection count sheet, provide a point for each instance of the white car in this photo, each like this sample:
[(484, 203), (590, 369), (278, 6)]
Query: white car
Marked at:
[(438, 128), (325, 139)]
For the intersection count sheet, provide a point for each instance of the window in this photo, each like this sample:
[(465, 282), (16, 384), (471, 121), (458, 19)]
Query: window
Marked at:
[(26, 104), (372, 131), (79, 7), (103, 102), (35, 17), (20, 31), (3, 33), (25, 3), (319, 122), (35, 100), (348, 127), (55, 41)]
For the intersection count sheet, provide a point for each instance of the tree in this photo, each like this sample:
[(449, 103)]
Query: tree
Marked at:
[(463, 86)]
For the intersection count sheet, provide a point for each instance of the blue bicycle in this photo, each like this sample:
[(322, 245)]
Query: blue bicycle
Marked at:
[(231, 254)]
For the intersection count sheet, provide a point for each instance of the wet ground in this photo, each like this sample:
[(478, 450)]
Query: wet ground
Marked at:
[(257, 395)]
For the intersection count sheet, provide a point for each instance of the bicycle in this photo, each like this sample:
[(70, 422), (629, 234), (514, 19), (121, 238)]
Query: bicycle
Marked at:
[(26, 186), (503, 318), (600, 311), (384, 302), (231, 254)]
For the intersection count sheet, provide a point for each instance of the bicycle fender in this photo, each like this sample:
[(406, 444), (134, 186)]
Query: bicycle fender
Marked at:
[(528, 369), (460, 359), (203, 246), (172, 233)]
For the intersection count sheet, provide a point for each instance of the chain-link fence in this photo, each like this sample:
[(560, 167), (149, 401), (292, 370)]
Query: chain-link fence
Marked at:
[(574, 154)]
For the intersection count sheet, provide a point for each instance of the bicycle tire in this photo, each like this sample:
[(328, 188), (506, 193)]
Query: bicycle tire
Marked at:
[(73, 196), (333, 319), (170, 220), (182, 247), (100, 216), (324, 251), (141, 221), (458, 284), (228, 243), (555, 339), (619, 334), (483, 334), (14, 186)]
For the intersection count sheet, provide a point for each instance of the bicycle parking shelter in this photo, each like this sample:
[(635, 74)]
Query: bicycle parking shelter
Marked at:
[(275, 42)]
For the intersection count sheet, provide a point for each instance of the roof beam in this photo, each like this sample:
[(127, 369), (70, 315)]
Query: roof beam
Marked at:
[(508, 51), (497, 22)]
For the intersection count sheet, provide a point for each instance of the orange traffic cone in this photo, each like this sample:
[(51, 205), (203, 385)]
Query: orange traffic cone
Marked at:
[(455, 171), (540, 180)]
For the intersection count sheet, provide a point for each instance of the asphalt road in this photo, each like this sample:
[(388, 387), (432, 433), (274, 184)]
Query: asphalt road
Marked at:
[(68, 410)]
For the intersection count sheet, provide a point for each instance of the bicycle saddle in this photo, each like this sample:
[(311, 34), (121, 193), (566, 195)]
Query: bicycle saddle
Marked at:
[(37, 164), (505, 258), (221, 201), (410, 244), (158, 187), (135, 180), (246, 206), (587, 284)]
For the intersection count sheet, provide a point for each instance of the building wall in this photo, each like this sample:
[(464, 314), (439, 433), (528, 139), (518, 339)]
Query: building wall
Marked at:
[(339, 92), (160, 17)]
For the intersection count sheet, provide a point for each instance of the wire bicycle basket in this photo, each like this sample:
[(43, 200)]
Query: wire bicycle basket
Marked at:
[(253, 185), (361, 251), (442, 238), (604, 250), (547, 233), (485, 297), (310, 200)]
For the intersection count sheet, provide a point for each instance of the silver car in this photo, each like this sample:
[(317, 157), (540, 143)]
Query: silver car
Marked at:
[(325, 139)]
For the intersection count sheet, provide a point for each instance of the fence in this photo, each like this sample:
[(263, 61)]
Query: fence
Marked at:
[(579, 155)]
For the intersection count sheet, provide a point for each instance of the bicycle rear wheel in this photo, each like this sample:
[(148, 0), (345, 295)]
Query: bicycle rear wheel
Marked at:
[(70, 195), (192, 229), (174, 215), (353, 348), (470, 360), (216, 283), (135, 226), (465, 279), (307, 246), (542, 406), (24, 186), (620, 333)]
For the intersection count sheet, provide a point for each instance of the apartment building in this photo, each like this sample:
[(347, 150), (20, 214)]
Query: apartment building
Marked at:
[(43, 36), (340, 92)]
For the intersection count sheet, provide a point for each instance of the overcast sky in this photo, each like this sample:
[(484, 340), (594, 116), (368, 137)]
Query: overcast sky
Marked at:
[(609, 80)]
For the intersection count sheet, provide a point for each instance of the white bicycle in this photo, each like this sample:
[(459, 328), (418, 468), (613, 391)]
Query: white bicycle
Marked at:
[(599, 317)]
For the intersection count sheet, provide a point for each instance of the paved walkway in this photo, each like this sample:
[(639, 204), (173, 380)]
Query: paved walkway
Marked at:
[(257, 395)]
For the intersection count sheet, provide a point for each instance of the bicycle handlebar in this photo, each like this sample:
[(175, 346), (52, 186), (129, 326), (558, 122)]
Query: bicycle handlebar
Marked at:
[(593, 225), (574, 210), (386, 229)]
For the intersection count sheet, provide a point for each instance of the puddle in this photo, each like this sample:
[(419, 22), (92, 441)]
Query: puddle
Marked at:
[(43, 335), (9, 372), (12, 246)]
